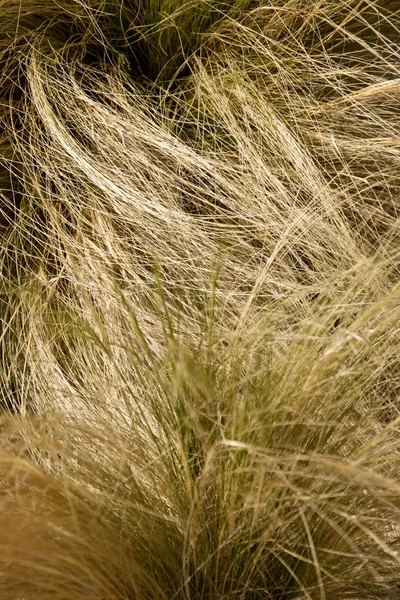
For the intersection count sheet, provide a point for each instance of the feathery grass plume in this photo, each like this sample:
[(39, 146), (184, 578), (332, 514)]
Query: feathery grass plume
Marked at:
[(199, 300)]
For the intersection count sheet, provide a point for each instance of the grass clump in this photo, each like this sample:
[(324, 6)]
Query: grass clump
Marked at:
[(199, 297)]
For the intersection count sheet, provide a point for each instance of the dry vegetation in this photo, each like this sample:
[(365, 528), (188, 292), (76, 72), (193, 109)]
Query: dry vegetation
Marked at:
[(199, 300)]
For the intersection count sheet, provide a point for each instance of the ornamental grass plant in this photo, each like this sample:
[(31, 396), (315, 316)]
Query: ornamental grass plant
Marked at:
[(199, 300)]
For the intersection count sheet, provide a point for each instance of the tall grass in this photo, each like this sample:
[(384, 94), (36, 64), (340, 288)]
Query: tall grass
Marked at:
[(199, 297)]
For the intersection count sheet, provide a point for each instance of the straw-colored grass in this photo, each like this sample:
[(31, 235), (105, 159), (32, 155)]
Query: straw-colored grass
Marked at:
[(199, 298)]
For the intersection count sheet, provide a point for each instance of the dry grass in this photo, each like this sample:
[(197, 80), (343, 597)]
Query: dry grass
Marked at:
[(199, 296)]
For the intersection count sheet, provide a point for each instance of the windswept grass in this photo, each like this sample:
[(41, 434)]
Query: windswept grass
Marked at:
[(199, 298)]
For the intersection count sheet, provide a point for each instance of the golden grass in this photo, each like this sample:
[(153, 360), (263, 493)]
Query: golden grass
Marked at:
[(199, 300)]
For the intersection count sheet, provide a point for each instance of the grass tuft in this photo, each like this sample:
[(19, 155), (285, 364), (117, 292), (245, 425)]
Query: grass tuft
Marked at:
[(199, 300)]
